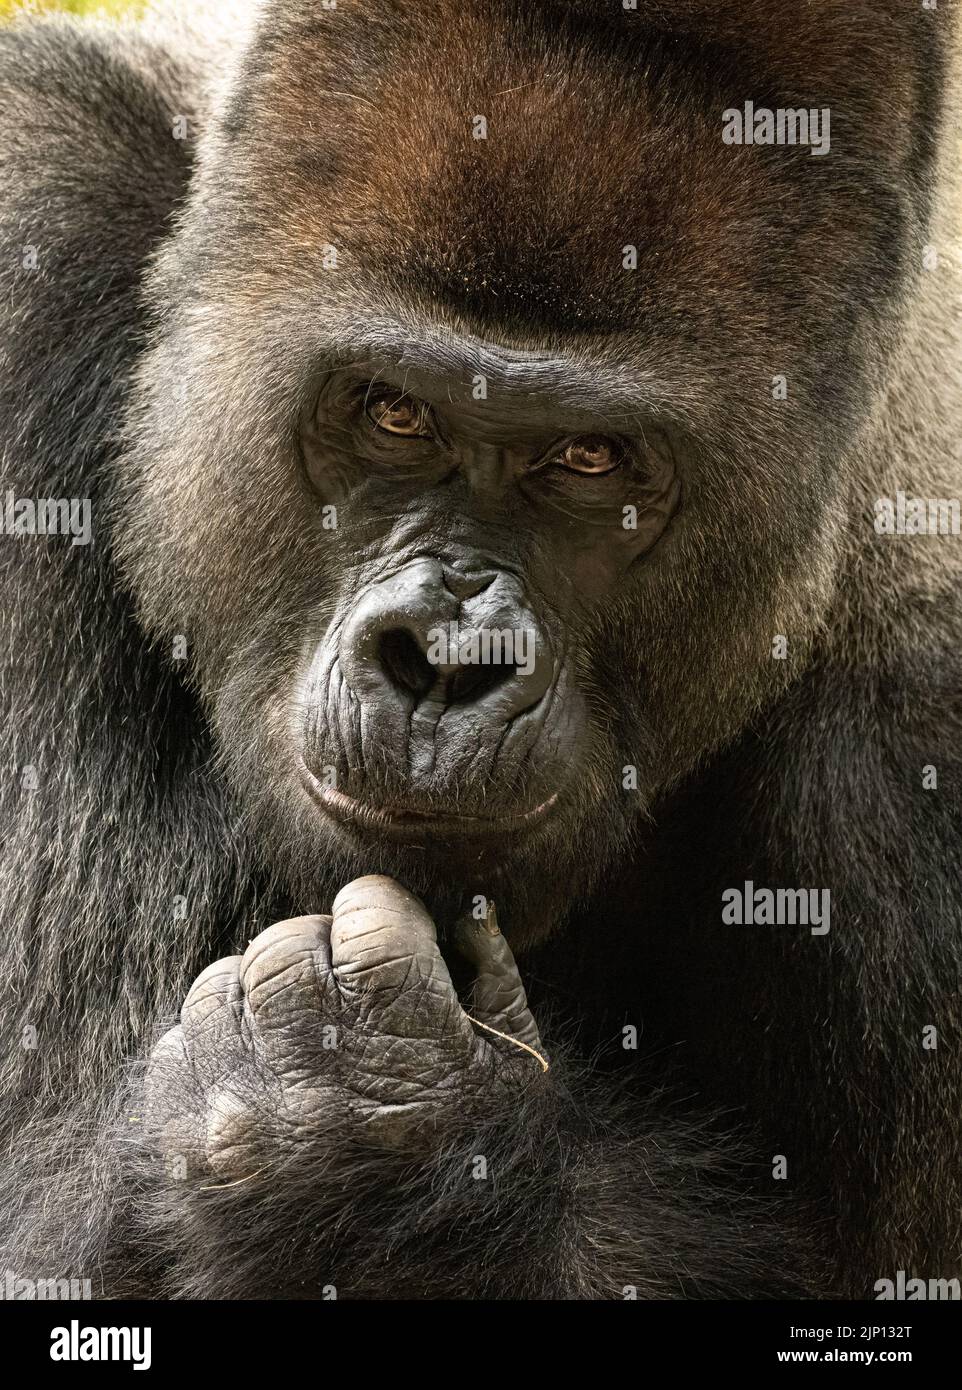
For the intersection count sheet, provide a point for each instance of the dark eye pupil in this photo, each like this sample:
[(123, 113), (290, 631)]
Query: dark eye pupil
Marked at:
[(591, 455)]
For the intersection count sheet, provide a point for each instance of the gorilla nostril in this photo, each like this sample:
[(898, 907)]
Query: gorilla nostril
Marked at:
[(404, 663), (473, 682)]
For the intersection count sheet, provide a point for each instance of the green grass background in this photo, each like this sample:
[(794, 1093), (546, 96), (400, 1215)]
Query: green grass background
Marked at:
[(74, 6)]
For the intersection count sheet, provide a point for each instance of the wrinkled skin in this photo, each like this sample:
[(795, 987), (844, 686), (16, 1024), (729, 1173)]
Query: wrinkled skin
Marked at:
[(349, 1014)]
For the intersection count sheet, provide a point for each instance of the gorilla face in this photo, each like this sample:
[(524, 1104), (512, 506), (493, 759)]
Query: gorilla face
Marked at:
[(478, 542), (430, 602), (403, 618), (479, 531)]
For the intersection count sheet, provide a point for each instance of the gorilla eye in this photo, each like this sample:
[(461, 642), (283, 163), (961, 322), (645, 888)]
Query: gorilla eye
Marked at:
[(592, 455), (398, 414)]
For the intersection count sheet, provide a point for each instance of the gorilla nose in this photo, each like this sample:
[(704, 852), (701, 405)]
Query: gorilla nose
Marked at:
[(464, 586), (456, 637), (414, 667)]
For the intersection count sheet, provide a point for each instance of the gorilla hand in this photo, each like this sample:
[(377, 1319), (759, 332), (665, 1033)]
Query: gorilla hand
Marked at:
[(348, 1133), (326, 1018)]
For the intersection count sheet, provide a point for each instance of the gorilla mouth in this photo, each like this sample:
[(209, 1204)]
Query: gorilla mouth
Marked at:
[(408, 823)]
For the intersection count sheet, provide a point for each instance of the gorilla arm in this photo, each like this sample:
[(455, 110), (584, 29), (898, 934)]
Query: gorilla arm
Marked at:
[(109, 828)]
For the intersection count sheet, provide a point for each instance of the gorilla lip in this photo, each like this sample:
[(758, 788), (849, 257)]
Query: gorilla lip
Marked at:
[(406, 823)]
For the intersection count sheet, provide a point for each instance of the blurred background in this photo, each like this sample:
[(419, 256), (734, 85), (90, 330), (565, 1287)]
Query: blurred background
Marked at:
[(75, 6)]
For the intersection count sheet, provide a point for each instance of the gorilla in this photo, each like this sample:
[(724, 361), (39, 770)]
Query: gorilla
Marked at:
[(488, 459)]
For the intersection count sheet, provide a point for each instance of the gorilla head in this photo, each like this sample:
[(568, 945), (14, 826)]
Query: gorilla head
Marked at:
[(458, 458)]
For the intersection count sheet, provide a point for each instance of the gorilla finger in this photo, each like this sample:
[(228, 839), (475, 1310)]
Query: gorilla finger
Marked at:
[(285, 975), (498, 998), (385, 956), (212, 1021)]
